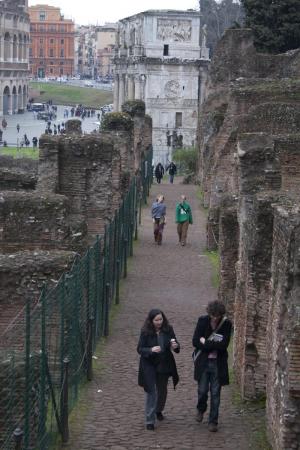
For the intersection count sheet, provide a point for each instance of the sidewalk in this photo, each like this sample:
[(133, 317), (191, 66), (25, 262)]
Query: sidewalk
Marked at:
[(177, 280)]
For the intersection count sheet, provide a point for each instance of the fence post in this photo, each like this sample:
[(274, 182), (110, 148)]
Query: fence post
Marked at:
[(64, 411), (118, 283), (27, 376), (42, 418), (89, 351), (125, 258), (18, 436), (106, 305)]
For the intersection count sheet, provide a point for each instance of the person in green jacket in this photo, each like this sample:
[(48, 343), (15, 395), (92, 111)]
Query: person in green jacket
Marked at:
[(183, 219)]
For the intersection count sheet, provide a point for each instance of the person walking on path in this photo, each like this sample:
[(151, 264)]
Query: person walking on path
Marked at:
[(211, 339), (4, 123), (159, 172), (183, 219), (158, 213), (157, 363), (172, 171), (18, 127)]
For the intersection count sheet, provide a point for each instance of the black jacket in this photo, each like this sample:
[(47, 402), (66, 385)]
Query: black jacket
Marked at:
[(203, 329), (151, 363)]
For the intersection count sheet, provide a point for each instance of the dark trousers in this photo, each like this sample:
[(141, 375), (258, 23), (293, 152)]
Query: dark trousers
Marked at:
[(156, 398), (182, 229), (209, 382), (158, 179), (158, 230)]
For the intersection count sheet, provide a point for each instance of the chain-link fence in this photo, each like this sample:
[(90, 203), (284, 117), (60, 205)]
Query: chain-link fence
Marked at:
[(46, 352)]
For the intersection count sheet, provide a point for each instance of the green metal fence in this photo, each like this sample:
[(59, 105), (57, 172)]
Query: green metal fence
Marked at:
[(47, 351)]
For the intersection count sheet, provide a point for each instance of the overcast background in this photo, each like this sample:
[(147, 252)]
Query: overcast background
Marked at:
[(95, 12)]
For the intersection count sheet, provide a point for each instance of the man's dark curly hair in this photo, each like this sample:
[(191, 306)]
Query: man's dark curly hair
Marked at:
[(216, 309)]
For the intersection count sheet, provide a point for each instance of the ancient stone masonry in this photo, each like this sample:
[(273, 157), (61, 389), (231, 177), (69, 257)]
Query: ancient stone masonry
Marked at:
[(249, 169), (17, 174), (81, 181)]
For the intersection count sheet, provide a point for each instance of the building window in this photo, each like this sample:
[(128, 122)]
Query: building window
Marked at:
[(51, 63), (62, 41), (178, 120), (61, 63), (51, 41), (62, 28), (51, 53), (41, 41), (42, 28), (52, 28), (61, 70), (30, 51), (62, 53), (51, 70), (166, 50), (41, 53), (42, 15)]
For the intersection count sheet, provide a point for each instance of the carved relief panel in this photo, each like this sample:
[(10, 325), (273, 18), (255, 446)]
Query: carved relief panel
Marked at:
[(174, 30)]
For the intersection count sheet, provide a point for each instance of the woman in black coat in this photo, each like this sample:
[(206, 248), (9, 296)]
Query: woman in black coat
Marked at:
[(211, 338), (157, 363)]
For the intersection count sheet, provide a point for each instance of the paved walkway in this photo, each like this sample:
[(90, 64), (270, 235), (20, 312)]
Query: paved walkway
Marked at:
[(177, 280)]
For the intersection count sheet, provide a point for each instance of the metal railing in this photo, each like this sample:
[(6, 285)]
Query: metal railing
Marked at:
[(47, 352)]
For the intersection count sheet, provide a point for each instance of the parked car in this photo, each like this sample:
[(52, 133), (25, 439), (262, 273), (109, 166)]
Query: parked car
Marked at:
[(45, 116), (37, 107)]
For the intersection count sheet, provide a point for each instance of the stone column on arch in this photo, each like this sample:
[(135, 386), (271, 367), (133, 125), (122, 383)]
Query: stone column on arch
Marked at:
[(121, 91), (10, 104), (137, 88), (116, 93), (131, 94)]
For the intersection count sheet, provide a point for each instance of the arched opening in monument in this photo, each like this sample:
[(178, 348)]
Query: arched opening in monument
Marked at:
[(20, 98), (15, 48), (7, 54), (6, 100)]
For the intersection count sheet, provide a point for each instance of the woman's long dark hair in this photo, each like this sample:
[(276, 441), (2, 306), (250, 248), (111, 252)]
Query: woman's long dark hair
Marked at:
[(148, 327)]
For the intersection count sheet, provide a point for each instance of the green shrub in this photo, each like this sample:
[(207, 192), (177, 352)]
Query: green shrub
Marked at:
[(117, 121), (187, 159)]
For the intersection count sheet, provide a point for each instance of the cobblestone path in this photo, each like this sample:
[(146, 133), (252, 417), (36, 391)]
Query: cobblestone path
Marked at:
[(177, 280)]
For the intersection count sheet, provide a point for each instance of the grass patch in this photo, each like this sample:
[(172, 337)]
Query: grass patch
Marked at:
[(32, 153), (213, 257), (70, 95)]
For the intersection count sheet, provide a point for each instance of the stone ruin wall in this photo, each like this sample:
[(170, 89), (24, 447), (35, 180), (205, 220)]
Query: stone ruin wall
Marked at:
[(249, 163), (81, 181)]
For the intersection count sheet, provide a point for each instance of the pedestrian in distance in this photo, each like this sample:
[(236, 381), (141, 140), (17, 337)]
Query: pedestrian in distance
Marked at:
[(158, 213), (1, 135), (34, 141), (157, 364), (159, 172), (211, 339), (4, 123), (18, 127), (172, 169), (183, 219)]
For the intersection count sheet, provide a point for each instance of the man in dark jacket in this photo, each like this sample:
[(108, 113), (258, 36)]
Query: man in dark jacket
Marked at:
[(211, 339), (172, 169)]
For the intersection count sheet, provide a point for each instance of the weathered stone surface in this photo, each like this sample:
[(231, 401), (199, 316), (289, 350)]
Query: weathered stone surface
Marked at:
[(250, 173), (17, 174), (283, 331)]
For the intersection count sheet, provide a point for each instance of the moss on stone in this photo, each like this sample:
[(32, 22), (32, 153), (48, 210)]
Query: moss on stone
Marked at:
[(117, 121), (134, 108)]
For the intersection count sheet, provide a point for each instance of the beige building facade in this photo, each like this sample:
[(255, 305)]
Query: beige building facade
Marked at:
[(14, 69), (160, 60), (105, 47)]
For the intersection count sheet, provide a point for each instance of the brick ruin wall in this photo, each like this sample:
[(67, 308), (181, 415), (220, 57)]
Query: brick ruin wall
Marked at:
[(80, 182), (18, 174), (249, 162)]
